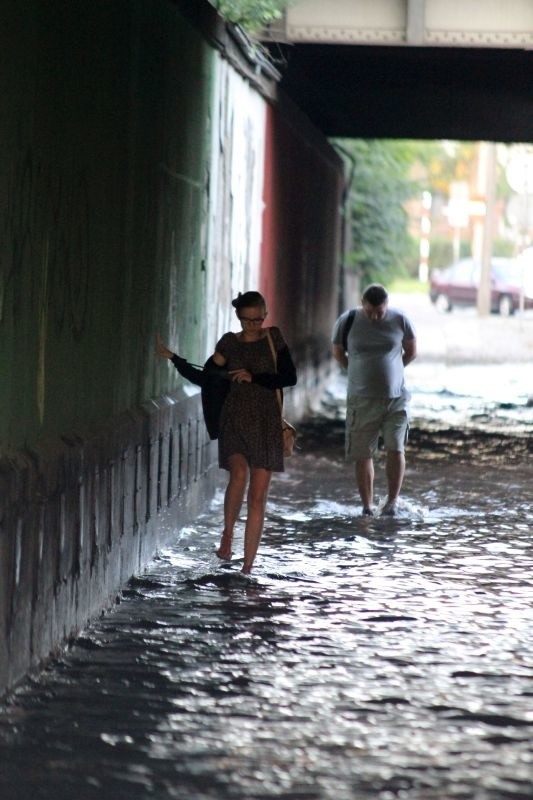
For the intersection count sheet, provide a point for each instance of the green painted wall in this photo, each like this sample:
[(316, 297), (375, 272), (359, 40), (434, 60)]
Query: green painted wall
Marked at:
[(103, 193)]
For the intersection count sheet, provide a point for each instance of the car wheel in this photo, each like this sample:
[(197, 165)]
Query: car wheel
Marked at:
[(505, 305), (442, 303)]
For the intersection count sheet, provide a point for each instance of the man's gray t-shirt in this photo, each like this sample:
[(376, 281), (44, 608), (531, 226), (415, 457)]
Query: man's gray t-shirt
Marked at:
[(375, 366)]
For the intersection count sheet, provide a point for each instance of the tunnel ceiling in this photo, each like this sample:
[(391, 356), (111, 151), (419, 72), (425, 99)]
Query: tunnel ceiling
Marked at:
[(411, 92)]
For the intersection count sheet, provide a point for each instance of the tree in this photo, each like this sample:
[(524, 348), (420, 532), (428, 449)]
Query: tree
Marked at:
[(380, 243), (251, 14)]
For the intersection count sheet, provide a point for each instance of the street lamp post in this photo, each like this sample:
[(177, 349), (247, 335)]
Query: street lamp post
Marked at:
[(519, 174), (487, 176)]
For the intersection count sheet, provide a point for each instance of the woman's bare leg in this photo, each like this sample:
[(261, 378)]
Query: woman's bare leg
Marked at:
[(255, 520), (233, 499)]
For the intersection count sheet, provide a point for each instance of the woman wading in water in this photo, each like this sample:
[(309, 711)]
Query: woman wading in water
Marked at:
[(250, 441)]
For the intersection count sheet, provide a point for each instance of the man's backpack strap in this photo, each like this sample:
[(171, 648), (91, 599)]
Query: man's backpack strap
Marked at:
[(346, 329)]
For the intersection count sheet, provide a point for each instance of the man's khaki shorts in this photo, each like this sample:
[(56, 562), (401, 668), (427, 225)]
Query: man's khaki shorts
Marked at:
[(368, 417)]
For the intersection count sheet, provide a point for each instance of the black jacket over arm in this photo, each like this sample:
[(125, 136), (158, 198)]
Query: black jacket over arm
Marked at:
[(214, 384), (285, 375)]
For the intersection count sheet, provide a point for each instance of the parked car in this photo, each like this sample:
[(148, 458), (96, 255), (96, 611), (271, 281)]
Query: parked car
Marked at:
[(457, 285)]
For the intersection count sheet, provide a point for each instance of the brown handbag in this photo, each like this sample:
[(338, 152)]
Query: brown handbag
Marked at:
[(288, 430)]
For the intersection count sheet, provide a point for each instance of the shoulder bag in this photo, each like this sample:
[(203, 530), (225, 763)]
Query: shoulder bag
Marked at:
[(288, 430)]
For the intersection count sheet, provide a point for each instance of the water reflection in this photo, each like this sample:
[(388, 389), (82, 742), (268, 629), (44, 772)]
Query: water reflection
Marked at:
[(366, 658), (473, 396)]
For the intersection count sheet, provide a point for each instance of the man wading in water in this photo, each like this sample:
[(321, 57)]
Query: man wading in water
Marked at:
[(374, 343)]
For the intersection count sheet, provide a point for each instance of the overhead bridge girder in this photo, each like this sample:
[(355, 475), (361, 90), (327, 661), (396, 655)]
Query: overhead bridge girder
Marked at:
[(440, 23)]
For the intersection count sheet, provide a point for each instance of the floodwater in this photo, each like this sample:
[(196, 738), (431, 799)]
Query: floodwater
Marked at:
[(366, 658)]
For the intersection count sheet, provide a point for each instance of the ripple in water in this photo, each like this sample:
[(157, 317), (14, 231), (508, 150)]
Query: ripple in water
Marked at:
[(366, 658)]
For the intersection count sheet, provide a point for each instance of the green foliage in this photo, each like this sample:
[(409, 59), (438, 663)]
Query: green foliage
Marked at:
[(441, 254), (386, 175), (412, 259), (503, 248), (380, 247), (443, 162), (251, 14), (407, 286)]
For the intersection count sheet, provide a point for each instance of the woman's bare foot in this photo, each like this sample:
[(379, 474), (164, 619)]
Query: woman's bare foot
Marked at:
[(246, 568), (224, 551)]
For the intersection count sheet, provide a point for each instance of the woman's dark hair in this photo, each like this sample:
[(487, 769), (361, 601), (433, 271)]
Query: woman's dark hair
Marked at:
[(375, 294), (248, 300)]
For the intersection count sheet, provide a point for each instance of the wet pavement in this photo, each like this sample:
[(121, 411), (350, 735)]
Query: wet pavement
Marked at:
[(366, 658)]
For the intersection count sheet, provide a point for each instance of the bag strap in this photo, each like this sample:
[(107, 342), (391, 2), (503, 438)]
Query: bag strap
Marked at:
[(275, 359), (346, 328)]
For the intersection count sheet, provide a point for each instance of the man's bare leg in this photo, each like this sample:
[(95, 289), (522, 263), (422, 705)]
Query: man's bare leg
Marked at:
[(364, 475), (395, 470), (233, 499), (255, 520)]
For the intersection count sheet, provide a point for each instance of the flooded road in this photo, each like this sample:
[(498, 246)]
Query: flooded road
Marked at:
[(366, 658), (376, 658)]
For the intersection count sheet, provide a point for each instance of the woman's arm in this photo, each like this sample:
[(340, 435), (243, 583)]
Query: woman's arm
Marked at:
[(161, 348), (186, 370), (285, 375), (191, 373)]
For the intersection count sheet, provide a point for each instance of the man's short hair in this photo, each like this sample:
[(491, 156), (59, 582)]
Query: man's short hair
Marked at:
[(375, 294)]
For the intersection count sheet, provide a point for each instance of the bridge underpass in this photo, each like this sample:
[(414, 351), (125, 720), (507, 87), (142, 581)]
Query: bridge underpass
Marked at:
[(153, 704), (415, 69), (377, 91), (423, 69)]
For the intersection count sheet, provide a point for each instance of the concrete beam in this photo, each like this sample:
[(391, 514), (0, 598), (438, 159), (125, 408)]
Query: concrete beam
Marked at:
[(438, 23), (416, 19)]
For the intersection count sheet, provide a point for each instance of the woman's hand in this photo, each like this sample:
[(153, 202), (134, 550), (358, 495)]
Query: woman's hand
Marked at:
[(240, 375), (161, 349)]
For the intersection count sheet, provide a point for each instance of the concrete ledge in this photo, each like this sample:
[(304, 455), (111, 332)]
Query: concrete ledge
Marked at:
[(79, 516)]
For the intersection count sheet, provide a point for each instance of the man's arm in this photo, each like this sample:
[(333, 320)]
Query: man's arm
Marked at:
[(339, 355), (409, 351)]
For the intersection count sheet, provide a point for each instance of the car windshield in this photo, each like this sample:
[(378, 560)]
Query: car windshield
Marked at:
[(463, 271), (511, 272)]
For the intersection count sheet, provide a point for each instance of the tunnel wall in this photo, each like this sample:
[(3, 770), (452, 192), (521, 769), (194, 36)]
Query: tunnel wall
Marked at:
[(105, 185), (132, 177), (236, 196), (300, 248)]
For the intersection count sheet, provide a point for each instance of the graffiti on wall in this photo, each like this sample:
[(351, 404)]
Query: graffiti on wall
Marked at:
[(46, 221), (45, 261)]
